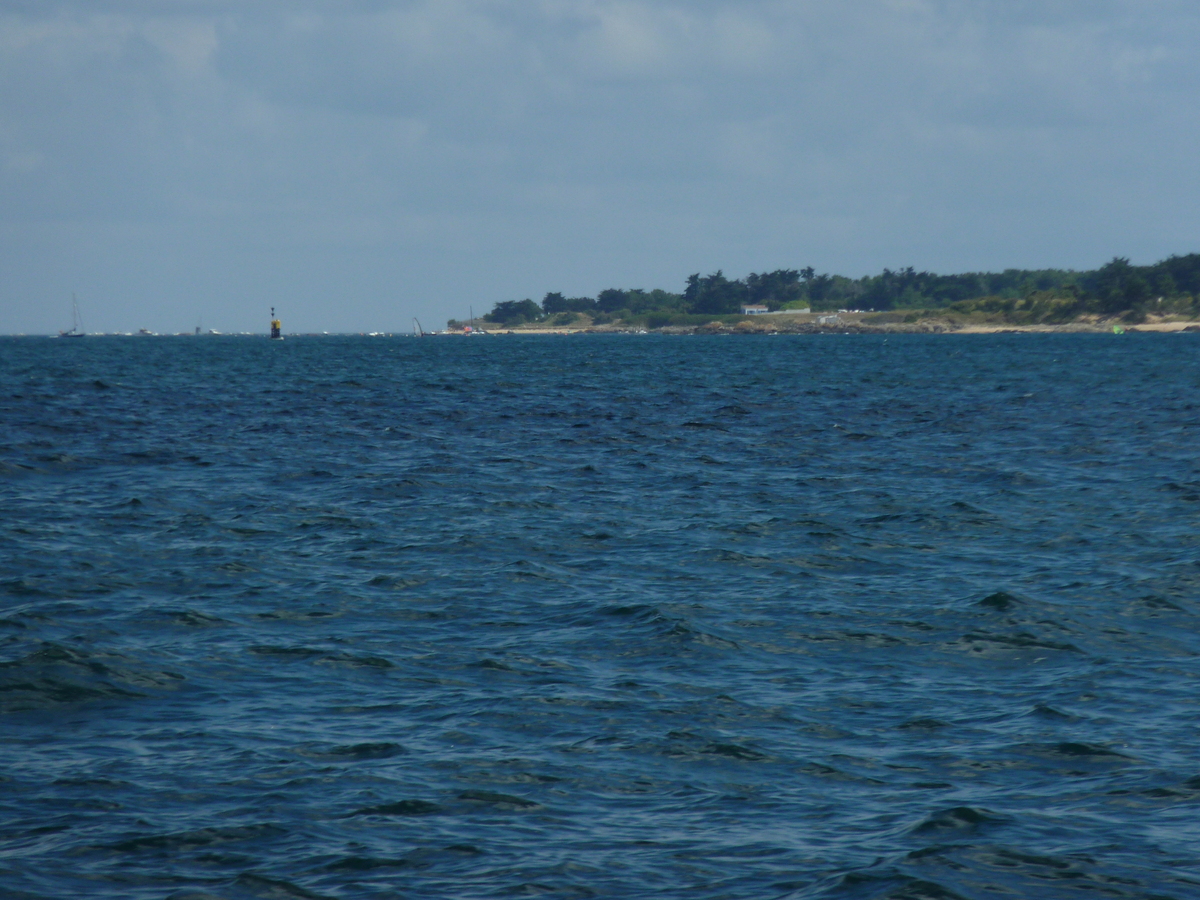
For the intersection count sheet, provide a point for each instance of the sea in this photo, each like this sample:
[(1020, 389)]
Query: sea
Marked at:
[(866, 617)]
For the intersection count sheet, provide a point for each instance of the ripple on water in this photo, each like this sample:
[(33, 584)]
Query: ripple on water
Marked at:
[(802, 617)]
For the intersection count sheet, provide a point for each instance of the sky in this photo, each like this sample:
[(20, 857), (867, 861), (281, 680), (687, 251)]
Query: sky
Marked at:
[(359, 163)]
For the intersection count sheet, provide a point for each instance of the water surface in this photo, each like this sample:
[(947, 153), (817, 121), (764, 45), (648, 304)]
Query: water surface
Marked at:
[(705, 617)]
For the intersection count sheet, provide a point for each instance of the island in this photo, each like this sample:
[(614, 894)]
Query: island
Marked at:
[(1118, 296)]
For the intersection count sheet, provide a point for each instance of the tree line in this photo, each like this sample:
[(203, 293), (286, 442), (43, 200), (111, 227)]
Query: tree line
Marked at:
[(1116, 289)]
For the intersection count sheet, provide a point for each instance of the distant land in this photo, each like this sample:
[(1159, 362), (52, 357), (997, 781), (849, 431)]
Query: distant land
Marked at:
[(1162, 296)]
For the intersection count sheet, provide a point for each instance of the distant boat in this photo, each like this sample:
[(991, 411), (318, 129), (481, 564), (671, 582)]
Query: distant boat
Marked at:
[(76, 321), (471, 329)]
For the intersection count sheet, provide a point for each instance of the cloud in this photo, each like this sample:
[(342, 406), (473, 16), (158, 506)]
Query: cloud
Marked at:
[(666, 135)]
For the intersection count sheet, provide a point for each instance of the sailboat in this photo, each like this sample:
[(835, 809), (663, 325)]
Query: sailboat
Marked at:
[(471, 329), (76, 321)]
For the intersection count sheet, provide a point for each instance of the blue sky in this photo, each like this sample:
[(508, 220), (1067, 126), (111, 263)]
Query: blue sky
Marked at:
[(356, 164)]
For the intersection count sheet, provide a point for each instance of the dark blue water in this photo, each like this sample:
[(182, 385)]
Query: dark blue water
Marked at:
[(705, 617)]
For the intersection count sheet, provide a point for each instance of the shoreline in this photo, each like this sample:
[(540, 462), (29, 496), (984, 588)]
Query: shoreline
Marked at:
[(848, 323), (868, 323)]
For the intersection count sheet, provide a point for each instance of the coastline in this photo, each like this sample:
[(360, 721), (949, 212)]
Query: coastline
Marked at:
[(870, 323)]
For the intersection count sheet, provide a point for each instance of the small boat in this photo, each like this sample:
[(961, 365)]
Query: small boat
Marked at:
[(76, 321), (471, 329)]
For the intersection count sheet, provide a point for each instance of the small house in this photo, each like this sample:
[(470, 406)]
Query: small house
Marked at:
[(753, 309)]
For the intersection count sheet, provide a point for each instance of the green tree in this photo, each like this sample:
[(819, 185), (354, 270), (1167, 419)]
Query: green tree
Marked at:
[(775, 289), (714, 294), (514, 312), (557, 303), (1184, 272), (610, 300), (1117, 286)]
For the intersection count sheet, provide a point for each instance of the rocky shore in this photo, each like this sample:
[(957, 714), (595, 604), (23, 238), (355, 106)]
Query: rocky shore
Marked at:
[(871, 323)]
